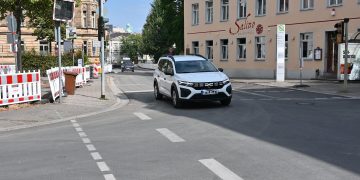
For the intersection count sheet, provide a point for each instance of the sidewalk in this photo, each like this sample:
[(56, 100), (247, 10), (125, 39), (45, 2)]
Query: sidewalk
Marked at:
[(319, 86), (85, 102)]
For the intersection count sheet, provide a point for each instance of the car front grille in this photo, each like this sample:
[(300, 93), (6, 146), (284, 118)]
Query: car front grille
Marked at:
[(208, 85)]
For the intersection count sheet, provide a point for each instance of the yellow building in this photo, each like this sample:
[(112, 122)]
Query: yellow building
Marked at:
[(85, 21), (241, 35)]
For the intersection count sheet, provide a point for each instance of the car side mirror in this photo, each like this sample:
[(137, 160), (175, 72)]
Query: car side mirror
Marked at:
[(221, 69)]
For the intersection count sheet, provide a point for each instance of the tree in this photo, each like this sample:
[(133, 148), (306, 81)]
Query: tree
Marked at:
[(132, 46), (164, 27)]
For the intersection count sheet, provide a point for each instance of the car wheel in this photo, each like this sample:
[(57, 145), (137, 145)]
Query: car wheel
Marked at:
[(133, 70), (122, 70), (175, 98), (157, 94), (226, 102)]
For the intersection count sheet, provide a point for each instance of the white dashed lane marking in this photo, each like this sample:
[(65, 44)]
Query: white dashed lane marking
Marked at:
[(219, 169), (170, 135), (142, 116), (91, 148)]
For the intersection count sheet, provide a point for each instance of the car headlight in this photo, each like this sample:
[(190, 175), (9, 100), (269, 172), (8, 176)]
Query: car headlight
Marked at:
[(224, 82), (185, 83)]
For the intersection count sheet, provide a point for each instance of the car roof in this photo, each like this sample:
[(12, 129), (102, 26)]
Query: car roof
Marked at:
[(187, 58)]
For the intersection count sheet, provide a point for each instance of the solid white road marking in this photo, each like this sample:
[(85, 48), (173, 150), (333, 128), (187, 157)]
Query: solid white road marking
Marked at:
[(142, 116), (103, 166), (86, 140), (170, 135), (220, 170), (96, 156), (82, 134), (90, 147), (79, 129), (142, 91), (109, 177)]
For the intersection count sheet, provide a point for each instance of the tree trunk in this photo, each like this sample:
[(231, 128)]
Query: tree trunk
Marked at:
[(18, 16)]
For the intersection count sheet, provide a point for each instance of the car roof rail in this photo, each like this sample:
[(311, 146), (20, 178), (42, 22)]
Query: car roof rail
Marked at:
[(199, 55)]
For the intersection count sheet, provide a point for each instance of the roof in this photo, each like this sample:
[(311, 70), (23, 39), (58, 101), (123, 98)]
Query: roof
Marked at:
[(188, 58)]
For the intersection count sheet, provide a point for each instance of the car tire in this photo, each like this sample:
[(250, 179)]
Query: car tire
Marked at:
[(133, 70), (226, 102), (175, 98), (157, 94), (122, 70)]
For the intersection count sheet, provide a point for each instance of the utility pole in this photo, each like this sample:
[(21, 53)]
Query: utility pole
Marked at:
[(102, 55), (58, 32), (346, 31)]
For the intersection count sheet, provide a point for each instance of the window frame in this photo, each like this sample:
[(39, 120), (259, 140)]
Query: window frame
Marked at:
[(263, 46), (310, 47), (93, 19), (84, 19), (195, 14), (209, 12), (44, 48), (257, 8), (195, 49), (209, 50), (226, 46), (241, 5), (337, 3), (238, 44), (278, 4), (311, 5), (224, 16)]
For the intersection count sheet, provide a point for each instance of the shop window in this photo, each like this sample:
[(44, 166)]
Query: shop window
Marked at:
[(241, 48), (195, 14), (283, 6), (335, 2), (260, 7), (224, 10), (242, 9), (306, 45), (260, 47), (224, 49), (195, 46), (307, 4), (209, 10), (209, 50)]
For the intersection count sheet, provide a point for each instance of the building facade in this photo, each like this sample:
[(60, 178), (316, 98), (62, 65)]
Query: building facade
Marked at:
[(85, 21), (241, 35)]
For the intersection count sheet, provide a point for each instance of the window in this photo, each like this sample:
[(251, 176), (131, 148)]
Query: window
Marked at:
[(286, 46), (195, 45), (195, 14), (93, 19), (334, 2), (209, 50), (224, 10), (93, 51), (209, 11), (260, 47), (22, 46), (306, 45), (224, 49), (242, 9), (260, 7), (241, 48), (307, 4), (283, 6), (84, 23), (44, 47)]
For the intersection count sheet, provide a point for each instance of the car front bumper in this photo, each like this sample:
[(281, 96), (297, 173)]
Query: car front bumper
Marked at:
[(191, 94)]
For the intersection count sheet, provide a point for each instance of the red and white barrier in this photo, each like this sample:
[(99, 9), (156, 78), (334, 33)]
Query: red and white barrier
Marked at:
[(7, 69), (53, 77), (20, 88), (81, 77)]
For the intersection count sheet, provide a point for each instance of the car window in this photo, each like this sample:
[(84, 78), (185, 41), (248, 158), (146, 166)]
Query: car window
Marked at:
[(194, 66), (164, 66), (161, 64)]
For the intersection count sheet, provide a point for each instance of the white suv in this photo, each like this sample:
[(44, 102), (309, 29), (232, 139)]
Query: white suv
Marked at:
[(191, 78)]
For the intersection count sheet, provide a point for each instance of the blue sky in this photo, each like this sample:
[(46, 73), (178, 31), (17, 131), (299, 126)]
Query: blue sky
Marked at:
[(122, 12)]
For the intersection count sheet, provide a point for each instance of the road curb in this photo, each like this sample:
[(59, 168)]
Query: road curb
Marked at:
[(117, 105)]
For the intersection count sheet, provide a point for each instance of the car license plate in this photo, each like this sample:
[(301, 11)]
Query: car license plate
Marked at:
[(128, 68), (209, 92)]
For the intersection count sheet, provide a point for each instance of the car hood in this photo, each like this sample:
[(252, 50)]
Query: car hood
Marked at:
[(202, 77)]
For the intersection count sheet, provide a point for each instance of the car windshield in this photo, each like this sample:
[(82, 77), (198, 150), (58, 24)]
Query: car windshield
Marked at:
[(129, 63), (194, 66)]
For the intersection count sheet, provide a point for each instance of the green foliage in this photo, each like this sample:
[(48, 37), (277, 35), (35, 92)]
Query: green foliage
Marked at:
[(164, 27), (34, 61), (132, 46)]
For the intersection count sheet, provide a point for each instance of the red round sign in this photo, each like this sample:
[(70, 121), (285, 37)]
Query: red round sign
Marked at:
[(259, 29)]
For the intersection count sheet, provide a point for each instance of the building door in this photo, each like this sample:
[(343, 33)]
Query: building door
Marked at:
[(332, 53)]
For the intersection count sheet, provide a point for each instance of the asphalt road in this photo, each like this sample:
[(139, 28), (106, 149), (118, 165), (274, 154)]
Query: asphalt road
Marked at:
[(266, 133)]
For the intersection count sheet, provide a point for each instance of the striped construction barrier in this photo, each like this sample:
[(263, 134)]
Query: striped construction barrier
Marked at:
[(7, 69), (20, 88), (53, 77), (81, 77)]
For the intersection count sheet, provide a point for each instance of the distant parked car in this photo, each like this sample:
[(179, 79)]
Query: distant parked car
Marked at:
[(127, 66)]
